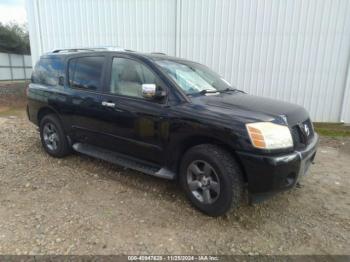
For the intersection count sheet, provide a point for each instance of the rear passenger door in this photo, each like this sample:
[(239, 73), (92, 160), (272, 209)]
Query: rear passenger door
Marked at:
[(85, 79)]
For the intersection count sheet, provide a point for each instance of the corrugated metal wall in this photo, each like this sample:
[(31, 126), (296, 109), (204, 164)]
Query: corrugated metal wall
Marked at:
[(15, 66), (145, 25), (294, 50)]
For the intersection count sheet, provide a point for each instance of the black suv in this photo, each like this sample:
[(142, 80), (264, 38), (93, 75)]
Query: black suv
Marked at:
[(173, 119)]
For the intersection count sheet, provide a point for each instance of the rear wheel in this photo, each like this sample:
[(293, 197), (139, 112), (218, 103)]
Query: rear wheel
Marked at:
[(211, 179), (52, 136)]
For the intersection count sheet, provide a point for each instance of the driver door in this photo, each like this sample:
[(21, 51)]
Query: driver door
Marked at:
[(133, 125)]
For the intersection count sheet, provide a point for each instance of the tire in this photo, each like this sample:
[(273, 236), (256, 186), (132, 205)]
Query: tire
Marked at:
[(225, 172), (53, 137)]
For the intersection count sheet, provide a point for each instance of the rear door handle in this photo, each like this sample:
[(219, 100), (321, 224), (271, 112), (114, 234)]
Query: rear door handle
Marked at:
[(108, 104)]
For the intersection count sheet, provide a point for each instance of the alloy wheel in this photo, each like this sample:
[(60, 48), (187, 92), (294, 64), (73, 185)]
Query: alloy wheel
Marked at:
[(203, 182), (50, 136)]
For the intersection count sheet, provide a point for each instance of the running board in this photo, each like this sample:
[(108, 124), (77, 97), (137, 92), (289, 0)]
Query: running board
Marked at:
[(122, 160)]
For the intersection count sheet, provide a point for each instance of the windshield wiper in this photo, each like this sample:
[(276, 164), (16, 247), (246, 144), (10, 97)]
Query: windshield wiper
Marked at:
[(208, 91), (227, 90), (211, 91), (203, 92), (232, 89)]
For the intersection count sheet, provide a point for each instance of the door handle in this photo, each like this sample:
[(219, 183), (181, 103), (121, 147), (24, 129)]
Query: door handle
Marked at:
[(108, 104)]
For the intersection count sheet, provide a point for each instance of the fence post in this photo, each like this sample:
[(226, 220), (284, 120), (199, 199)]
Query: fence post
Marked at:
[(24, 68), (10, 64)]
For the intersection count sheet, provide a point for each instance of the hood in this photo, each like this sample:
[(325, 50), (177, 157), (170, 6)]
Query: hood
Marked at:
[(253, 108)]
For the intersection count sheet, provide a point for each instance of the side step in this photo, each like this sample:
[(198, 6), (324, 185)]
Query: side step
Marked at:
[(122, 160)]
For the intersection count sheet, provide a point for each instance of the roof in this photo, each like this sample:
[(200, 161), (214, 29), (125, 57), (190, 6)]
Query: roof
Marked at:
[(90, 50)]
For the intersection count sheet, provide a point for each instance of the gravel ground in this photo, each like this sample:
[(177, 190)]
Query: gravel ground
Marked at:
[(79, 205)]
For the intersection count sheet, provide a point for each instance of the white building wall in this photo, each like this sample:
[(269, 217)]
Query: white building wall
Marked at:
[(294, 50), (144, 25)]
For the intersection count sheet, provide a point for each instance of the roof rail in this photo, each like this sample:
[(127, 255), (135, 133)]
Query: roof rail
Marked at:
[(71, 50), (107, 48), (158, 53)]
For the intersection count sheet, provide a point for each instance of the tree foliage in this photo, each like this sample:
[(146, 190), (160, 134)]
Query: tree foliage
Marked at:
[(14, 38)]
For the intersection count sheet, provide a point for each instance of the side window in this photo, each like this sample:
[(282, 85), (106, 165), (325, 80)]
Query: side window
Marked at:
[(86, 72), (127, 77), (47, 71)]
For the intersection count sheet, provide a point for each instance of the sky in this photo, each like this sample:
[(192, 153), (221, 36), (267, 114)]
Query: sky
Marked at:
[(12, 11)]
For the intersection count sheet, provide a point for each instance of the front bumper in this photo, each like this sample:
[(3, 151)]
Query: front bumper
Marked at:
[(268, 174)]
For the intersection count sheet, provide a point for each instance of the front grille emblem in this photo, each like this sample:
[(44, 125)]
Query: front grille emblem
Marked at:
[(306, 130)]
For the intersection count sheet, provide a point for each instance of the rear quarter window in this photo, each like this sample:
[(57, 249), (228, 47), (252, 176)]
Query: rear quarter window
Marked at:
[(47, 71)]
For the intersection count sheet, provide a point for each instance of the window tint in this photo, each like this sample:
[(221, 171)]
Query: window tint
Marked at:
[(86, 72), (127, 77), (47, 71)]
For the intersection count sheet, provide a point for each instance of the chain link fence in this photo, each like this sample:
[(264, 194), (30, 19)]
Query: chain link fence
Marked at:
[(15, 66)]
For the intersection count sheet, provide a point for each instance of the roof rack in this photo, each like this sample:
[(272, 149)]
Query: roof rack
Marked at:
[(158, 53), (107, 48), (71, 50)]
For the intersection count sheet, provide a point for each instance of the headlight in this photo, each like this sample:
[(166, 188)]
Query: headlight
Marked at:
[(267, 135)]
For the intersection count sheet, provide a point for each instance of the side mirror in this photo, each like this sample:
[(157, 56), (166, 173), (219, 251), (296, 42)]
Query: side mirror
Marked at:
[(151, 91)]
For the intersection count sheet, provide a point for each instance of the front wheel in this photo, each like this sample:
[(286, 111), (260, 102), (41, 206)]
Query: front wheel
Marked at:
[(211, 178)]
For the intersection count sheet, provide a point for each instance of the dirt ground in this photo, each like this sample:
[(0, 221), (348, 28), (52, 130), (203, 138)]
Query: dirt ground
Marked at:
[(80, 205)]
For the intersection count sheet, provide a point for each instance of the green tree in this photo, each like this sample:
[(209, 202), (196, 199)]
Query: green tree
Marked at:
[(14, 38)]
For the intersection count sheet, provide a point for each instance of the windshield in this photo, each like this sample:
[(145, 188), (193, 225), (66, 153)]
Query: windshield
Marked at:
[(194, 78)]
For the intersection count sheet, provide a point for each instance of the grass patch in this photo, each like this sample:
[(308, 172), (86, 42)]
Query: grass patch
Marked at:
[(332, 129), (14, 84), (12, 111)]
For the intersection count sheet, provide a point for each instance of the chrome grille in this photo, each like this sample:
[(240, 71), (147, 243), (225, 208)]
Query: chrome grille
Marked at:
[(302, 134)]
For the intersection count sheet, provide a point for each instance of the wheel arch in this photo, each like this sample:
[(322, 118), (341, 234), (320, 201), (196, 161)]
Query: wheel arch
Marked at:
[(46, 110), (64, 140), (191, 141)]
